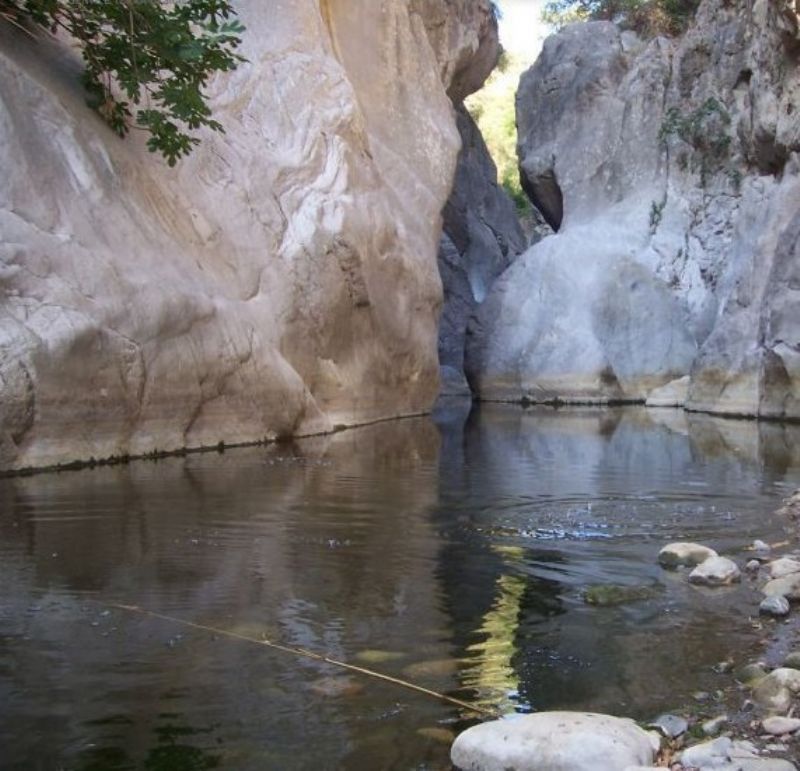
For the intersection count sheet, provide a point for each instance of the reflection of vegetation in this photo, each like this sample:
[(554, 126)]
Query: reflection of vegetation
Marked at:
[(493, 110), (520, 600), (179, 757), (493, 674), (106, 759), (171, 753)]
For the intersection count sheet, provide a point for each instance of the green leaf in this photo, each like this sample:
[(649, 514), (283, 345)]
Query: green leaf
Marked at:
[(153, 53)]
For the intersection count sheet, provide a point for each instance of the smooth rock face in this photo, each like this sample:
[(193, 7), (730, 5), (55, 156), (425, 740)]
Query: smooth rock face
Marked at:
[(280, 281), (482, 236), (554, 741), (677, 250), (715, 571), (684, 553)]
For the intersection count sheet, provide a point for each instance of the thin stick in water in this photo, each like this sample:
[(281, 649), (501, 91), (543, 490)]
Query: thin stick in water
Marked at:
[(307, 654)]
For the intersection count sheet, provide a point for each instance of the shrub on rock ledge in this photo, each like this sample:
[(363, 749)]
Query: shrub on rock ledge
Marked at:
[(648, 17)]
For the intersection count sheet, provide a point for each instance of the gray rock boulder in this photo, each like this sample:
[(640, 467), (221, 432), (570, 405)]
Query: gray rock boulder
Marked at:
[(752, 673), (671, 726), (791, 506), (554, 741), (781, 725), (788, 587), (775, 605), (724, 753), (715, 571), (683, 553), (784, 566), (775, 691)]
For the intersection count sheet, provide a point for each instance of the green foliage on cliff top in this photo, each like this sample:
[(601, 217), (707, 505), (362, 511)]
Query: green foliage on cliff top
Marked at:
[(648, 17), (493, 110), (146, 62)]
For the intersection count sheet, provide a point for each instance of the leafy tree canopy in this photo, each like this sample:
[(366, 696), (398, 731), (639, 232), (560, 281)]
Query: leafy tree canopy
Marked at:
[(493, 110), (146, 61), (648, 17)]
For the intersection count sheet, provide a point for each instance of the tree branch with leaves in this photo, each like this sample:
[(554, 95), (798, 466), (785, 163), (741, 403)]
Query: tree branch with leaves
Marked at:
[(146, 63)]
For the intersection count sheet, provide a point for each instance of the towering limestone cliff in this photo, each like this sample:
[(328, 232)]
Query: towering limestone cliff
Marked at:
[(280, 281), (671, 171)]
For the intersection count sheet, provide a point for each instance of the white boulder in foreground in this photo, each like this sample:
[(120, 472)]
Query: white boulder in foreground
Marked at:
[(555, 741), (674, 555), (778, 726), (715, 571)]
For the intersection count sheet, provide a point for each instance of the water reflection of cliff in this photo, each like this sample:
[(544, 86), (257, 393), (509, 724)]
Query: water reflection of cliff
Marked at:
[(325, 545), (453, 557), (561, 499)]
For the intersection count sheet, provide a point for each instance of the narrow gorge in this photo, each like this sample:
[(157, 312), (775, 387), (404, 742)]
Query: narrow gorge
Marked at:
[(282, 281)]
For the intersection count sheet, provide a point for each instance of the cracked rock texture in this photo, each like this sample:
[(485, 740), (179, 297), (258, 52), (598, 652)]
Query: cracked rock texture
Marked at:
[(280, 281), (671, 171)]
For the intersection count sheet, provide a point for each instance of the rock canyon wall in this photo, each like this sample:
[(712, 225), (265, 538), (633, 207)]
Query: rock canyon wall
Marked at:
[(482, 237), (281, 281), (671, 172)]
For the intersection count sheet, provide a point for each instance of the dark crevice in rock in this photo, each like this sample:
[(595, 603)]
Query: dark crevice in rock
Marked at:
[(481, 238), (545, 194)]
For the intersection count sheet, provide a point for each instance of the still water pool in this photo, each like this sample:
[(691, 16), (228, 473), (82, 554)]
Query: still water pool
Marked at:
[(450, 551)]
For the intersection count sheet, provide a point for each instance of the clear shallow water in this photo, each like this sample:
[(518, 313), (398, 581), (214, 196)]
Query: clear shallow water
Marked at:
[(452, 553)]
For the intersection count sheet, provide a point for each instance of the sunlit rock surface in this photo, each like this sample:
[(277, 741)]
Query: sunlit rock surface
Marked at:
[(670, 169), (280, 281)]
